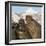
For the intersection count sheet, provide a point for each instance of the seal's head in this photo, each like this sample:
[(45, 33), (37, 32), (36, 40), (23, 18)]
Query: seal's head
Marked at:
[(28, 19)]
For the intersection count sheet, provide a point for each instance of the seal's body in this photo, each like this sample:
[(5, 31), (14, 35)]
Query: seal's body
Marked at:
[(22, 31)]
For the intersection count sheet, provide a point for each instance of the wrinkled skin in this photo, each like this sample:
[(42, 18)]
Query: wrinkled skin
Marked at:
[(31, 30)]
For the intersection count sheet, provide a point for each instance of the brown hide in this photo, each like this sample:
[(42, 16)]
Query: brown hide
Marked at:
[(22, 32), (31, 30), (34, 27)]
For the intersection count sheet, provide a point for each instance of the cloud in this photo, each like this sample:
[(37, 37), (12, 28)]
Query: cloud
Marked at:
[(15, 18), (31, 10)]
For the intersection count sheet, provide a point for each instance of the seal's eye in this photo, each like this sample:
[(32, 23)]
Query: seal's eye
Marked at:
[(12, 27)]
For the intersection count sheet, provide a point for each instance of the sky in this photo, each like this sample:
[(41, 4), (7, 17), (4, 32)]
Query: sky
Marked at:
[(23, 9)]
